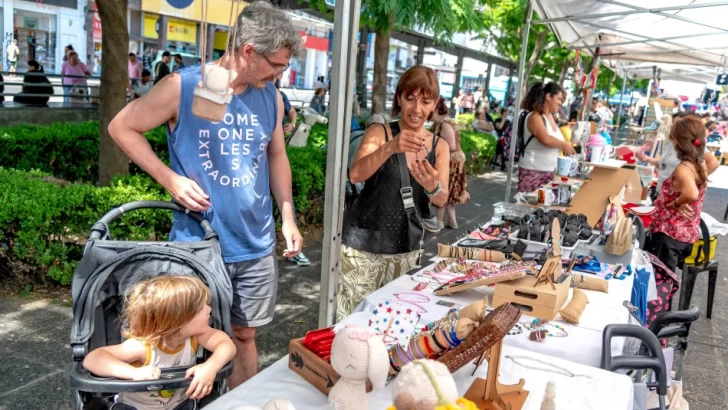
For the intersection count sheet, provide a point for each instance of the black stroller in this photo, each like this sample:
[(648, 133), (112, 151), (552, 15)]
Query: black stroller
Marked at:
[(108, 268)]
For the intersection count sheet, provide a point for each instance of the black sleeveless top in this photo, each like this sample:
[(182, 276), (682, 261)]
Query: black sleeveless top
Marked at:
[(376, 222)]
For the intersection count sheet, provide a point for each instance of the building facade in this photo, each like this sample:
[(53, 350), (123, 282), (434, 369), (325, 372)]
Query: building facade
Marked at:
[(43, 29)]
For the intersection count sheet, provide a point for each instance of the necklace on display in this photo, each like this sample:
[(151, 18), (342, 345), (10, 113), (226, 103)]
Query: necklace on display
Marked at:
[(551, 368)]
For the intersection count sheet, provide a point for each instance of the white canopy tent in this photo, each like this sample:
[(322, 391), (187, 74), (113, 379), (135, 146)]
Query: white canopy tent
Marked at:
[(657, 32)]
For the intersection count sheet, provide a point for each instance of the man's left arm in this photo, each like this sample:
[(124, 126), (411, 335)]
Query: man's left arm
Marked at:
[(281, 186)]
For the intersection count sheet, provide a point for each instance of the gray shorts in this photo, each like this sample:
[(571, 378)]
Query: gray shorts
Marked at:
[(255, 287)]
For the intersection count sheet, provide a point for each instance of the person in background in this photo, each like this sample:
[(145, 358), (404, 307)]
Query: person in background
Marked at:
[(31, 93), (162, 68), (13, 52), (456, 103), (478, 98), (317, 102), (711, 131), (375, 242), (178, 63), (667, 160), (467, 102), (457, 185), (483, 122), (143, 86), (135, 68), (538, 161), (77, 83), (66, 51), (676, 220), (502, 125)]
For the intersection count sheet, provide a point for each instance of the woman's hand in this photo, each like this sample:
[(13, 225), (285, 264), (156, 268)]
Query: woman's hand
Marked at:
[(407, 141), (684, 209), (424, 174), (568, 149)]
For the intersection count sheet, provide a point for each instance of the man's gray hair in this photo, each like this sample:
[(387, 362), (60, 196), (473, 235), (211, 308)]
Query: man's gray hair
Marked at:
[(266, 28)]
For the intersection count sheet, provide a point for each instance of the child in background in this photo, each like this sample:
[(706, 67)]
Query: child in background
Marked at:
[(165, 318)]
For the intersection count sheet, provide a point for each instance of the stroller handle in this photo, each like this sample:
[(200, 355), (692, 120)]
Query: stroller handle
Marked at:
[(99, 228)]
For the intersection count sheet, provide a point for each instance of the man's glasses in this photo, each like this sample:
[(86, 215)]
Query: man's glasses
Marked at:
[(277, 67)]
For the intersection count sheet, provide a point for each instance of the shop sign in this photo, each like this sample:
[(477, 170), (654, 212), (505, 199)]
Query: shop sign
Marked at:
[(30, 22), (96, 23), (150, 26), (218, 11), (180, 30), (313, 42), (71, 4)]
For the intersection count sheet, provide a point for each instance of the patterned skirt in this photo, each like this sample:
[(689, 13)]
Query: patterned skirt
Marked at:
[(530, 180), (362, 273), (458, 182)]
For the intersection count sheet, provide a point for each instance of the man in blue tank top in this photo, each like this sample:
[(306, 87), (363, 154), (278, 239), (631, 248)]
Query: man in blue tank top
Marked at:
[(227, 170)]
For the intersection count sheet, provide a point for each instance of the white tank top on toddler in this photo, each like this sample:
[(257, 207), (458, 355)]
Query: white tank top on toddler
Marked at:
[(537, 156), (185, 355)]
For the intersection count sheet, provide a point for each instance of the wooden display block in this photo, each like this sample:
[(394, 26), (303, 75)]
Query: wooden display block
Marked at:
[(315, 370), (541, 301)]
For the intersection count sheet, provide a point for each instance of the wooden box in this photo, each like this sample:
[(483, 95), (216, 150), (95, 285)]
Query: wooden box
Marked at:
[(315, 370), (541, 301)]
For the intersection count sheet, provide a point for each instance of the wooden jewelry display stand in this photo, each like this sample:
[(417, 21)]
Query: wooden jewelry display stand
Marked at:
[(489, 394)]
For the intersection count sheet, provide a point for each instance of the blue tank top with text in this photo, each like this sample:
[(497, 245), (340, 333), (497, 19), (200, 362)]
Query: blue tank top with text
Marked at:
[(229, 160)]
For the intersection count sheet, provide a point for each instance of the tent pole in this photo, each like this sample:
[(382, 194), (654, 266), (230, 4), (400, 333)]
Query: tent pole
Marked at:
[(519, 91), (346, 22), (621, 96)]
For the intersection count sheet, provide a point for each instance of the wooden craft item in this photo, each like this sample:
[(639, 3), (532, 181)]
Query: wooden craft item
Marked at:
[(589, 282), (489, 393), (552, 268), (572, 312), (484, 255), (450, 289)]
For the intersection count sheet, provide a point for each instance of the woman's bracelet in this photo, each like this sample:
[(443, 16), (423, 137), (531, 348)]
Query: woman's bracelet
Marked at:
[(436, 191)]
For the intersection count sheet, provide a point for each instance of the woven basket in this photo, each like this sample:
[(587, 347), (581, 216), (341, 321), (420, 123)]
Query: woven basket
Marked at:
[(208, 110), (494, 328)]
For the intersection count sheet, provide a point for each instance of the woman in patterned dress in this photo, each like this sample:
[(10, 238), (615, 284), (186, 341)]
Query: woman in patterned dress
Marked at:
[(676, 222), (457, 182)]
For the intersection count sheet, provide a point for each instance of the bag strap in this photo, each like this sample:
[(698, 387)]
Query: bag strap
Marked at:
[(705, 248), (405, 189)]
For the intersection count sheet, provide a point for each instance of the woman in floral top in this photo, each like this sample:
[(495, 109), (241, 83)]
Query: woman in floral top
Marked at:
[(676, 222)]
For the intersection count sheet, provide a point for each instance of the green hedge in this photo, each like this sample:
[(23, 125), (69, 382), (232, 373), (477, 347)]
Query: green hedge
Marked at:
[(479, 149), (44, 221)]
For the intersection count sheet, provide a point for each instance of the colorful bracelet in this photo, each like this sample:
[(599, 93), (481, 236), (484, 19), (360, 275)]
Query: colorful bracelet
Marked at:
[(416, 352), (454, 336), (392, 363), (437, 342), (437, 190), (425, 343)]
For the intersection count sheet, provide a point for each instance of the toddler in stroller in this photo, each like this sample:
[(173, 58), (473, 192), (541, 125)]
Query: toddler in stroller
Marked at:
[(166, 317), (107, 277)]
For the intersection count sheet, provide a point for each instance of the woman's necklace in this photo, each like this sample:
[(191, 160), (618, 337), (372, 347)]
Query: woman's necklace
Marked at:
[(553, 368)]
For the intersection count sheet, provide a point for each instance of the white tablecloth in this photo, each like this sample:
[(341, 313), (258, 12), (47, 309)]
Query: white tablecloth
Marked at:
[(584, 341), (603, 391)]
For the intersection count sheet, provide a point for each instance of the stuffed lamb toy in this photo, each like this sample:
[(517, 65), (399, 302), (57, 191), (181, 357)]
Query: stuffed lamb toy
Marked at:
[(357, 354)]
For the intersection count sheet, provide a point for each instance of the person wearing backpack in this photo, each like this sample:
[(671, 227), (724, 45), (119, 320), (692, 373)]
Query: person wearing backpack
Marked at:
[(539, 137)]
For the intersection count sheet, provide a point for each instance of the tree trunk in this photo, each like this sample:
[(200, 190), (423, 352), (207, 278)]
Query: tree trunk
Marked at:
[(564, 71), (531, 63), (114, 78), (381, 61)]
